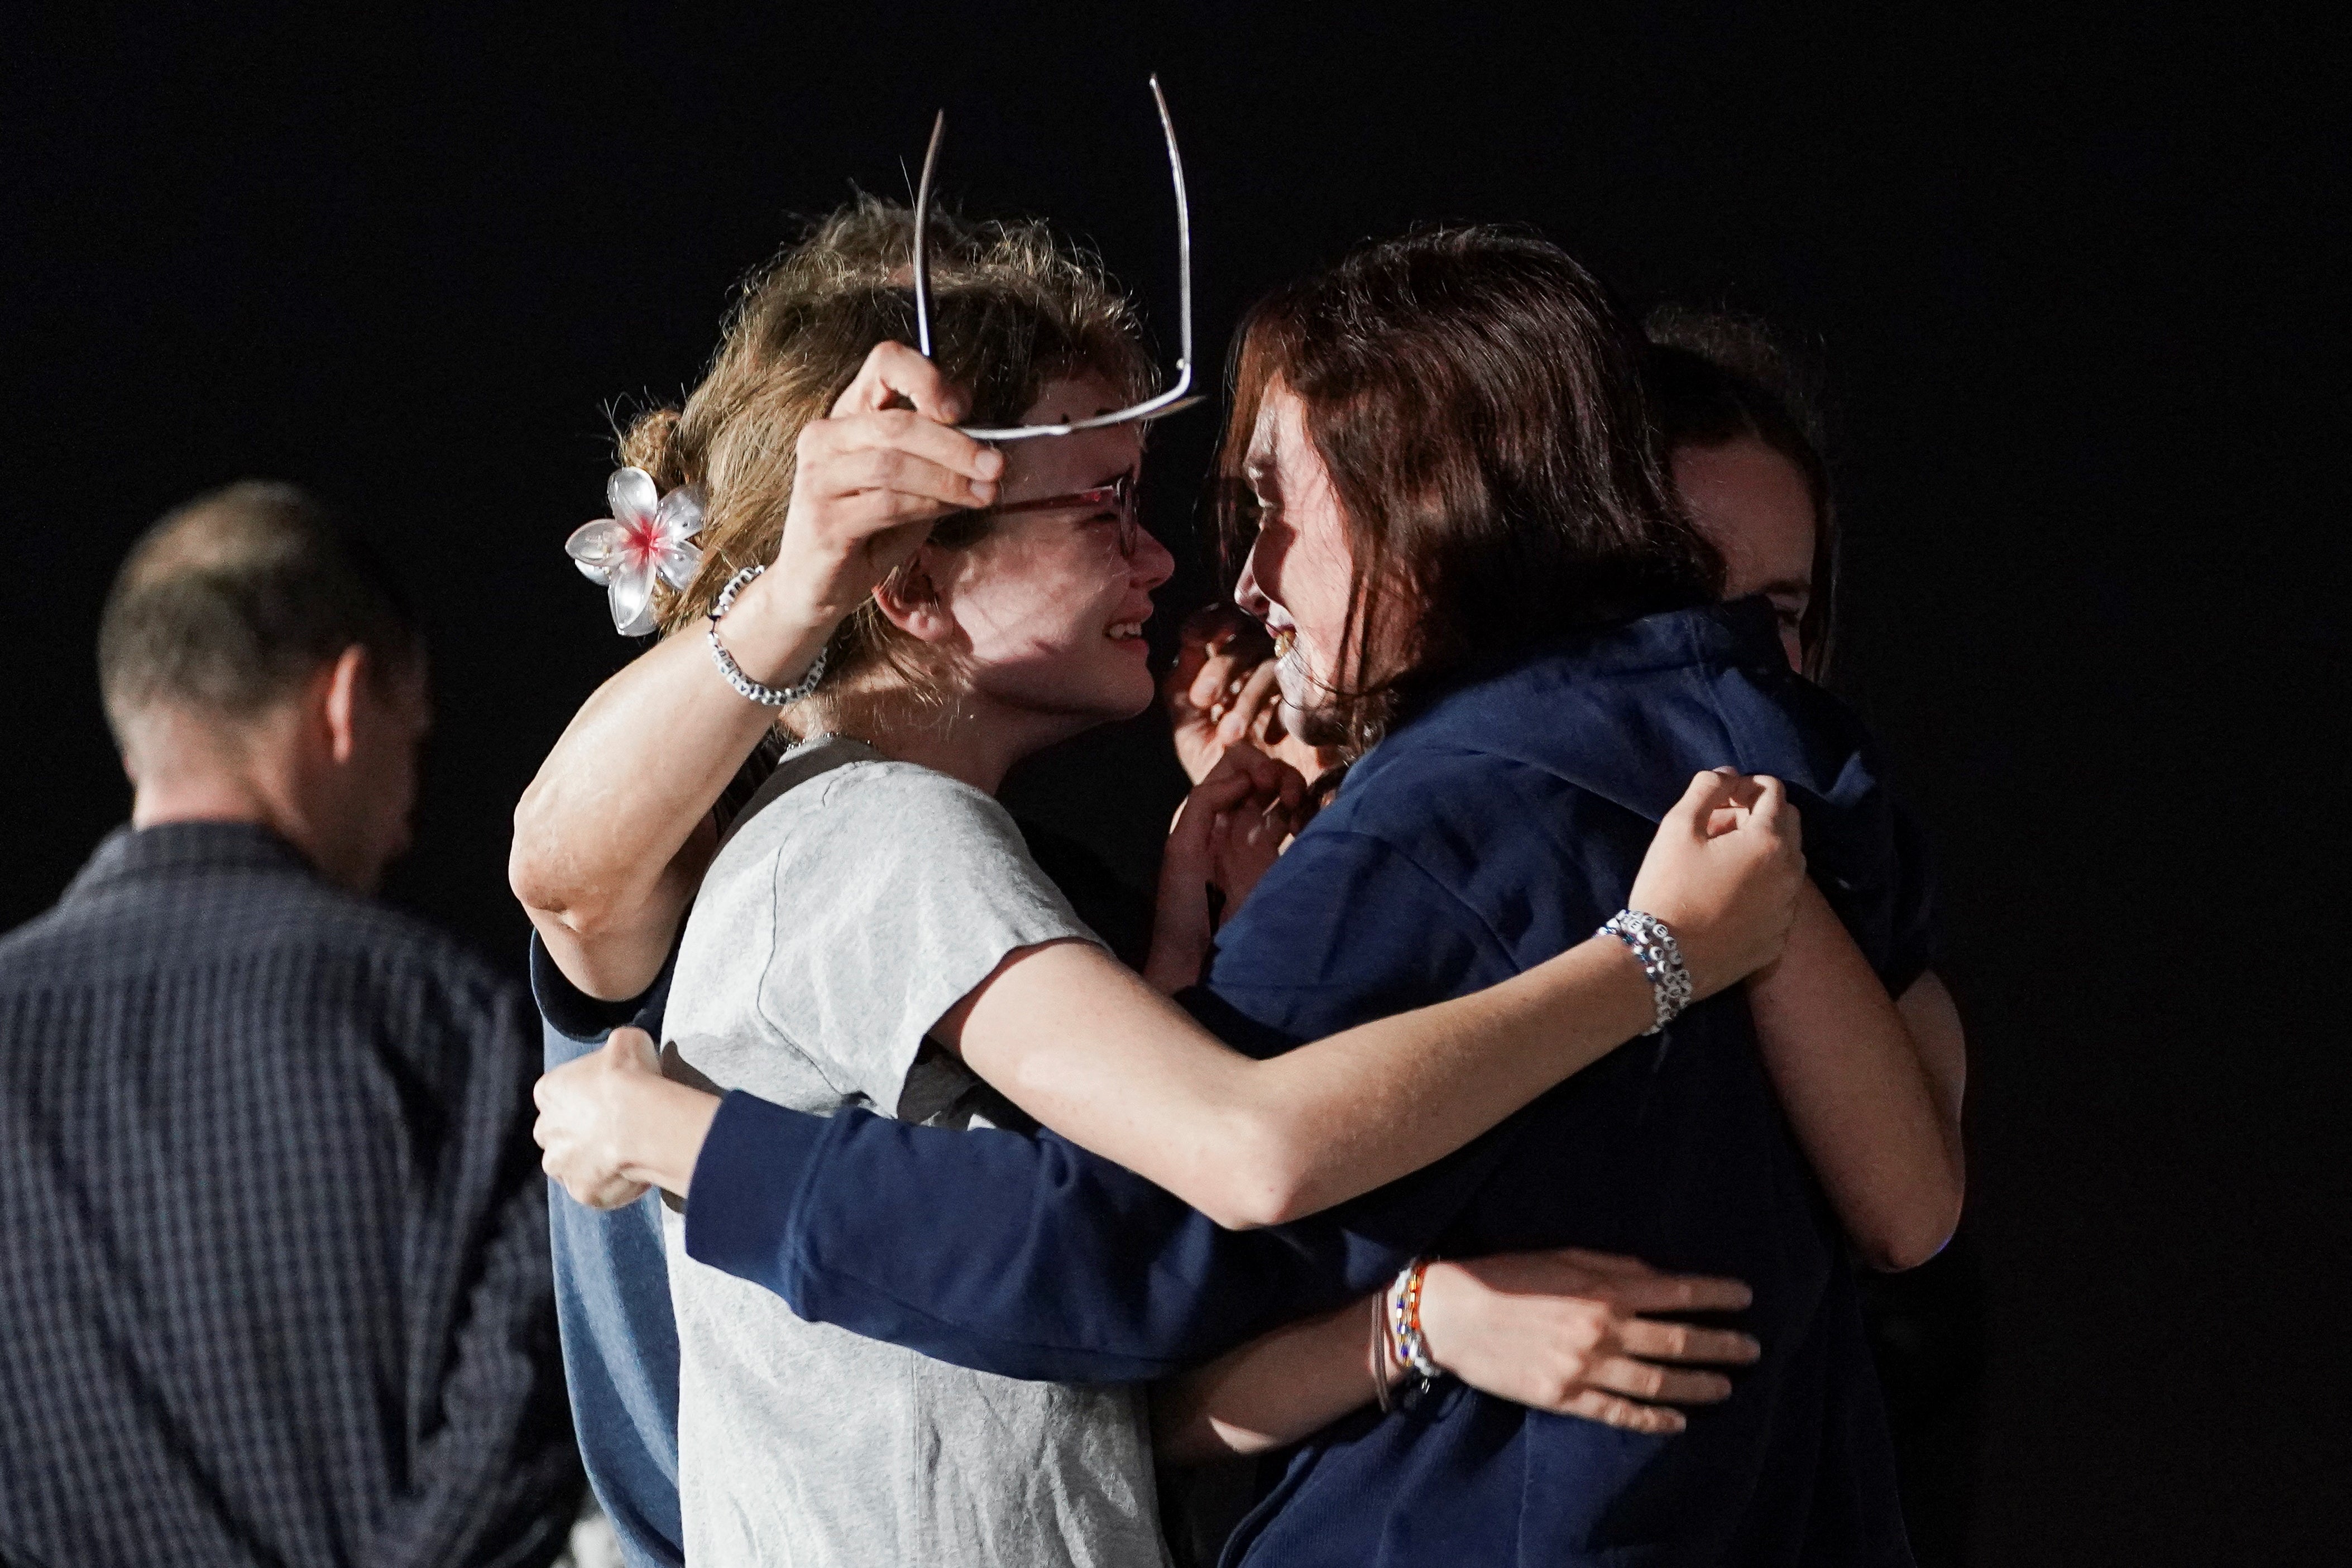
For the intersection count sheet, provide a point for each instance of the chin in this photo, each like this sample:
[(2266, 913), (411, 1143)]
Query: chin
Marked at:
[(1123, 699), (1095, 696)]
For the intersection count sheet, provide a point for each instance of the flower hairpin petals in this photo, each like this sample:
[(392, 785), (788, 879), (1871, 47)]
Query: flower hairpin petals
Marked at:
[(646, 538)]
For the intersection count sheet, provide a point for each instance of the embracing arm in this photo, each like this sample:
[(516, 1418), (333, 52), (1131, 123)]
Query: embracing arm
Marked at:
[(1872, 1088), (607, 856), (1053, 1262), (614, 834), (1091, 1050), (1559, 1331)]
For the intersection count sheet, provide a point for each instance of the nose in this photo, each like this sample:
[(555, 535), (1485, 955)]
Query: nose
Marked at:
[(1151, 564), (1247, 593)]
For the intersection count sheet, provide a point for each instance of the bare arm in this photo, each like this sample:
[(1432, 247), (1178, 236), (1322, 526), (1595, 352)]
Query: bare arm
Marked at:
[(606, 857), (1556, 1330), (614, 834), (1092, 1052), (1874, 1097)]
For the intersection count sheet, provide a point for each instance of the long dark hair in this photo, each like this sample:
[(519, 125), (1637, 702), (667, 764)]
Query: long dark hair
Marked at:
[(1477, 398), (1716, 377)]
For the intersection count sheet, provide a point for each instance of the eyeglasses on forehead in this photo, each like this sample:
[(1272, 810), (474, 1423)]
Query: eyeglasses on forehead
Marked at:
[(1167, 401)]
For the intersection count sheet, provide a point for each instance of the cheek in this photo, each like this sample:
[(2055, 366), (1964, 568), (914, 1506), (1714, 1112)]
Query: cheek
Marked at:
[(1318, 573), (1049, 599)]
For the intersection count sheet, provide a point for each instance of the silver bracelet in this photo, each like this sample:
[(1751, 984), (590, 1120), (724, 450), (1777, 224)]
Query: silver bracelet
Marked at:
[(1661, 958), (771, 696)]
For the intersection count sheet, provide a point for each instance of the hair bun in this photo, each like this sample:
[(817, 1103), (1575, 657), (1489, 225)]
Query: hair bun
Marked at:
[(651, 443)]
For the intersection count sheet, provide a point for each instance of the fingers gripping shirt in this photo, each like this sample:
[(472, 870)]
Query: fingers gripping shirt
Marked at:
[(856, 901)]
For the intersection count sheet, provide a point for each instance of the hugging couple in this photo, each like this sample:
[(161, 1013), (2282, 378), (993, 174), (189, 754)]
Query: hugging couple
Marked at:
[(1491, 1143)]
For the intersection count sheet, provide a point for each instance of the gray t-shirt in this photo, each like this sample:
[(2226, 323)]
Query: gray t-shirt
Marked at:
[(856, 901)]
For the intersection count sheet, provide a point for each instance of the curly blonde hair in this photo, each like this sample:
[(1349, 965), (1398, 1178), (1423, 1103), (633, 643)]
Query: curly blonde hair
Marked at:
[(1014, 308)]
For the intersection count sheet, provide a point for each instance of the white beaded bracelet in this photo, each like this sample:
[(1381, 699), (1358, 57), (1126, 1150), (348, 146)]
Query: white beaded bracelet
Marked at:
[(771, 696), (1404, 1322), (1661, 958)]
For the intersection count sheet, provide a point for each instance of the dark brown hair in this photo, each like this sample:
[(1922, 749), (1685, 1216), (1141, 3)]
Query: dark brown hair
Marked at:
[(1477, 397), (230, 602), (1715, 378)]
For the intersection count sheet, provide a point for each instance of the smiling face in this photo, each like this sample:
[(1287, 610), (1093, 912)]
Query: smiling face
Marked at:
[(1754, 505), (1300, 574), (1047, 612)]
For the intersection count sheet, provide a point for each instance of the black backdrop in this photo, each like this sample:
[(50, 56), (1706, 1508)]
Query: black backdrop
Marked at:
[(2067, 276)]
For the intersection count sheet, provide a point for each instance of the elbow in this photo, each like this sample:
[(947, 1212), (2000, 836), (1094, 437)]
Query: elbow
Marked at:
[(1258, 1175), (546, 882), (1238, 1203), (1905, 1241), (534, 871)]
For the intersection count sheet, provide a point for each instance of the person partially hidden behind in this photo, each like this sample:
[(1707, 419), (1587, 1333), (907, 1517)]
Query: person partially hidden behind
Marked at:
[(277, 1284)]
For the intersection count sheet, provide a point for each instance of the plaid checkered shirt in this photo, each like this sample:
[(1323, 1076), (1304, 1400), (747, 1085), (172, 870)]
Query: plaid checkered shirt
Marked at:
[(274, 1279)]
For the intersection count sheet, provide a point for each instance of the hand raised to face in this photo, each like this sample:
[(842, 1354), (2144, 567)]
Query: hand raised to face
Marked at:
[(1222, 691), (873, 477), (1229, 831)]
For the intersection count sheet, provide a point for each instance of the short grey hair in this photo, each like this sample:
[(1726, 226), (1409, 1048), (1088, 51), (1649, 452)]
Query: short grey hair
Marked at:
[(231, 601)]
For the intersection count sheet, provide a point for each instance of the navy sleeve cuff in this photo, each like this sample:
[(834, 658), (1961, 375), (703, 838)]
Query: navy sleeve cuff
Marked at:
[(576, 1015), (747, 1183)]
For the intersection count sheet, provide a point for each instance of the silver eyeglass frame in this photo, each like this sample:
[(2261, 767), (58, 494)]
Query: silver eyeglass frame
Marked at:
[(1167, 403)]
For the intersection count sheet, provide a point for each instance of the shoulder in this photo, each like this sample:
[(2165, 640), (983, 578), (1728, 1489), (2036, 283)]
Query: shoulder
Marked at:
[(308, 945), (1470, 818), (417, 976), (1399, 792), (907, 791), (868, 824)]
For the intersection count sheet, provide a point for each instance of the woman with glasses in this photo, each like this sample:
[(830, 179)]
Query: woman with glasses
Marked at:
[(873, 935)]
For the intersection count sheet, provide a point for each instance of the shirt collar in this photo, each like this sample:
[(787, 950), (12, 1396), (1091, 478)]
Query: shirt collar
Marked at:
[(132, 854)]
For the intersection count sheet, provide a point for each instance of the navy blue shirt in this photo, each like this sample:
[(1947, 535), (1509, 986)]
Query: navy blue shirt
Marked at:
[(1494, 832)]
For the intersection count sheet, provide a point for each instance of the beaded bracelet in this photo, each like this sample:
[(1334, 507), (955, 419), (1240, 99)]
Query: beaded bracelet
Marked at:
[(1404, 1322), (771, 696), (1661, 958)]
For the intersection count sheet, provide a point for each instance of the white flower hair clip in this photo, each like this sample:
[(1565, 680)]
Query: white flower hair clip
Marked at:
[(644, 539)]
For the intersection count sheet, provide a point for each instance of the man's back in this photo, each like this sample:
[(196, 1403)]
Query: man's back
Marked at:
[(276, 1285)]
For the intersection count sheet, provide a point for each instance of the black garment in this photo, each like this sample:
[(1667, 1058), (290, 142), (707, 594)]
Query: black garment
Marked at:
[(276, 1284)]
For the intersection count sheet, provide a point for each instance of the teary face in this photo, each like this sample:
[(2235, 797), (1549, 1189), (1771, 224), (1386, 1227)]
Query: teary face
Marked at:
[(1300, 575)]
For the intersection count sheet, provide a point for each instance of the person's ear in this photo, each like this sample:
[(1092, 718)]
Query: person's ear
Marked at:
[(910, 600), (341, 708)]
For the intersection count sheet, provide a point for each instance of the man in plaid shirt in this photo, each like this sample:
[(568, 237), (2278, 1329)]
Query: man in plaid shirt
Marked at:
[(274, 1279)]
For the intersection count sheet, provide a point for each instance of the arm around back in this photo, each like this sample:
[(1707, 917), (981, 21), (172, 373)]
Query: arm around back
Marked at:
[(1092, 1052), (1872, 1087)]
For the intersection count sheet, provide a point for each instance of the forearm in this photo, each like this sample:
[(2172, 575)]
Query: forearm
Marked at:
[(1858, 1093), (1274, 1391), (495, 1465), (1090, 1052), (604, 832), (1387, 1098)]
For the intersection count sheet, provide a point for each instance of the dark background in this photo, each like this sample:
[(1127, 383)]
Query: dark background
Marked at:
[(2073, 281)]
